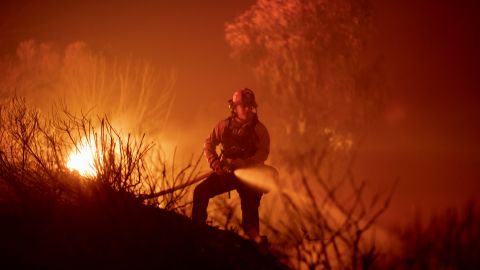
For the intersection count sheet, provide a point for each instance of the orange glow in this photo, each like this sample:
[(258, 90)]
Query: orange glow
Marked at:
[(81, 159), (427, 136)]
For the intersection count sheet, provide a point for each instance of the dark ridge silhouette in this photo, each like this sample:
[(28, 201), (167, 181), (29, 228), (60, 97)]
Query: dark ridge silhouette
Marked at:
[(103, 228)]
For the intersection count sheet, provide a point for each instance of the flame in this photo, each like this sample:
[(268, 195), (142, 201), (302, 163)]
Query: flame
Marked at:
[(81, 159)]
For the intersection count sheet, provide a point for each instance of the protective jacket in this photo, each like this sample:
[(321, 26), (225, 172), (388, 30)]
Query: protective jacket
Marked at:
[(249, 141)]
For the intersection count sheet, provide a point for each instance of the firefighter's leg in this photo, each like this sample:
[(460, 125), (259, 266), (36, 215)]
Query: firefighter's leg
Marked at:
[(250, 202), (209, 188)]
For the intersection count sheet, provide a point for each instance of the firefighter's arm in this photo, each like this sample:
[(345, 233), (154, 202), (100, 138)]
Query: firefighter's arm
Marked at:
[(211, 142), (263, 147)]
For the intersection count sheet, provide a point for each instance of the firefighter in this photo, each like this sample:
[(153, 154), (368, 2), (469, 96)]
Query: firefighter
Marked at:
[(244, 141)]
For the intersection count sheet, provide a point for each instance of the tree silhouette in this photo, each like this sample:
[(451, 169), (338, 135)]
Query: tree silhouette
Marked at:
[(315, 59)]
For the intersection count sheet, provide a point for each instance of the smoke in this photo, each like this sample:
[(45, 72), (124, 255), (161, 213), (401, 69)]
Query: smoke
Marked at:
[(313, 57), (134, 95)]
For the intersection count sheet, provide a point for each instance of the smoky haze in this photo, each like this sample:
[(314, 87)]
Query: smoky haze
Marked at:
[(185, 37), (428, 135)]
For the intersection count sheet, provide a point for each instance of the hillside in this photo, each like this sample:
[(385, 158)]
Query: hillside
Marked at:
[(101, 228)]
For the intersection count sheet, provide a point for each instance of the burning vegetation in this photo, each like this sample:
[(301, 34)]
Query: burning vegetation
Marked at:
[(88, 180)]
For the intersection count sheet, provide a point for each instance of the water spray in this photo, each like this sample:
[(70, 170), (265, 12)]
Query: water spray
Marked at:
[(262, 177)]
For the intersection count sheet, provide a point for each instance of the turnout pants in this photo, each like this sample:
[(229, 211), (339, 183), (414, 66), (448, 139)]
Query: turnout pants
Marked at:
[(217, 184)]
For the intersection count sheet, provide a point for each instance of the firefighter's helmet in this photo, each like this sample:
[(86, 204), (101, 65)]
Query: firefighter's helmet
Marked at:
[(243, 96)]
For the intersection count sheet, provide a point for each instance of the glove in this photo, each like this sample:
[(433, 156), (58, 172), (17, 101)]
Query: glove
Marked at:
[(221, 169), (236, 163)]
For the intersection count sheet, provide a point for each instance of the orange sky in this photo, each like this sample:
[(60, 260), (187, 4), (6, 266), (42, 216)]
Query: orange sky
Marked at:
[(428, 137)]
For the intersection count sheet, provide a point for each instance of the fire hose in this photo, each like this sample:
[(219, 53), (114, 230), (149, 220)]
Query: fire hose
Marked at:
[(267, 174), (175, 188)]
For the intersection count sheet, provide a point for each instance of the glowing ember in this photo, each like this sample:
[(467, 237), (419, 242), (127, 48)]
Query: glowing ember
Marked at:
[(82, 159)]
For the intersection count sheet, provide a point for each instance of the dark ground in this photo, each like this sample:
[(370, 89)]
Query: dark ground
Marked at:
[(104, 229)]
